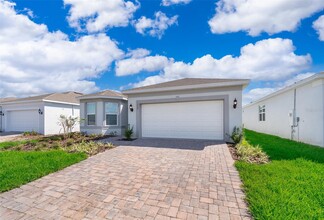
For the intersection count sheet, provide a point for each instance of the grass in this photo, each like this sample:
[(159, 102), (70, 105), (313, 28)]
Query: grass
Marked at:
[(18, 168), (291, 186), (10, 144)]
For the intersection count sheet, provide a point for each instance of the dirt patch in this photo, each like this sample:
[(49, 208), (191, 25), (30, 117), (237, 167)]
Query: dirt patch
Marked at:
[(233, 151)]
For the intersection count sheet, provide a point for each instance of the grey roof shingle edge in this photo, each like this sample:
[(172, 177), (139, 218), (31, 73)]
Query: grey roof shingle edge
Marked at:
[(66, 97), (103, 94), (184, 82)]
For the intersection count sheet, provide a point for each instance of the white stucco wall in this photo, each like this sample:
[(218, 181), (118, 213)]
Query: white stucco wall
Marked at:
[(309, 107), (52, 112), (6, 108), (235, 115)]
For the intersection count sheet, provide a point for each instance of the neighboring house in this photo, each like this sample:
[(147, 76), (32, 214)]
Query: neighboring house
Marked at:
[(104, 113), (191, 108), (39, 113), (1, 113), (295, 112)]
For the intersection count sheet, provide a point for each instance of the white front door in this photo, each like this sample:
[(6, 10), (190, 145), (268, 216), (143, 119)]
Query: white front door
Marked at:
[(191, 120), (22, 120)]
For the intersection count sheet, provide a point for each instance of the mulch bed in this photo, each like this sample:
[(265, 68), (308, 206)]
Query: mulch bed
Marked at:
[(232, 150)]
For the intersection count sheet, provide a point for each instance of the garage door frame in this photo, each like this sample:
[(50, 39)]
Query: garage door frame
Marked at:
[(223, 98)]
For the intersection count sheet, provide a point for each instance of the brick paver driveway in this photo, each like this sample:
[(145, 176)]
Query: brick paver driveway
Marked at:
[(132, 182)]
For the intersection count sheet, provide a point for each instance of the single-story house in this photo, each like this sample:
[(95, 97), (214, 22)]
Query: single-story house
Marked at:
[(192, 108), (39, 113), (103, 113), (295, 112)]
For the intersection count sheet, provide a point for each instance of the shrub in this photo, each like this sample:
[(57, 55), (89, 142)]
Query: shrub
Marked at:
[(237, 135), (113, 133), (251, 154), (90, 148), (129, 133), (30, 133)]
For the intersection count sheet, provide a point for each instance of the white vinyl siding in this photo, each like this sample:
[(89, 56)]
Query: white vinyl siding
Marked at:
[(191, 120), (111, 113), (91, 113)]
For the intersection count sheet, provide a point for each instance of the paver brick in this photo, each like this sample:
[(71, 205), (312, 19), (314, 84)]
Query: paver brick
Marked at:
[(131, 182)]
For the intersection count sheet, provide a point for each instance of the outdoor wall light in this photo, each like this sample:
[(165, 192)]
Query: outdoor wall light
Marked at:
[(131, 108), (1, 113), (235, 103), (40, 111)]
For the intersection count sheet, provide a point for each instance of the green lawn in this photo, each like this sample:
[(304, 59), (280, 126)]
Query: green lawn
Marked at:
[(9, 144), (18, 168), (291, 186)]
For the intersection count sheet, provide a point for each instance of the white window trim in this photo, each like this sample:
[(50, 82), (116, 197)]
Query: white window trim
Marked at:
[(262, 113), (107, 113), (91, 113)]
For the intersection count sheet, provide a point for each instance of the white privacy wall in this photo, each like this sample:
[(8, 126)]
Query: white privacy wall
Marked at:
[(52, 112), (309, 108), (235, 115)]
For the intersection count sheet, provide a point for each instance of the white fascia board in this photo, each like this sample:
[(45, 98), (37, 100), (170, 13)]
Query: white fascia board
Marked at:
[(58, 102), (293, 86), (243, 83), (101, 97)]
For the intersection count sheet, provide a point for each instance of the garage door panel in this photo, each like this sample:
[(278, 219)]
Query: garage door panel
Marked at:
[(197, 120), (24, 120)]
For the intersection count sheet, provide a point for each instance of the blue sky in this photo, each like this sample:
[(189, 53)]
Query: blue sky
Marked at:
[(144, 42)]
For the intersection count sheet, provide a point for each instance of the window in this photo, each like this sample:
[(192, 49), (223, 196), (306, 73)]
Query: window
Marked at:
[(111, 110), (262, 113), (91, 113)]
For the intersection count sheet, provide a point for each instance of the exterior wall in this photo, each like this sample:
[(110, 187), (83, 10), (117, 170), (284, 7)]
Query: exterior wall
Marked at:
[(6, 108), (52, 112), (101, 127), (230, 93), (309, 108)]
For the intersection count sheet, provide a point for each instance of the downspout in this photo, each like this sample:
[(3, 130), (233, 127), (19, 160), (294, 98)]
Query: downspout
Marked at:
[(295, 123)]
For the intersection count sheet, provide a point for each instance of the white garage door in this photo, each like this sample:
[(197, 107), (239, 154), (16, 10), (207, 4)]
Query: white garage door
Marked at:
[(27, 120), (192, 120)]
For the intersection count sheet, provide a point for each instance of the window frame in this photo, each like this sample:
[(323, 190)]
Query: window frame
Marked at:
[(262, 113), (110, 113), (87, 113)]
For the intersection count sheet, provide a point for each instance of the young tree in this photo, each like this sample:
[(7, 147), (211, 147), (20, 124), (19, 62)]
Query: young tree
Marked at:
[(67, 123)]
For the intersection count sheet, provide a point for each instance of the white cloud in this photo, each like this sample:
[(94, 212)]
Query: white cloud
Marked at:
[(270, 59), (97, 15), (136, 65), (174, 2), (155, 27), (318, 25), (39, 61), (255, 16), (258, 93), (138, 53)]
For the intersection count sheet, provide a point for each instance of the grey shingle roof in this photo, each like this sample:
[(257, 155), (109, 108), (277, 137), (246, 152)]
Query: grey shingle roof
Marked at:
[(7, 99), (107, 93), (69, 97), (184, 82)]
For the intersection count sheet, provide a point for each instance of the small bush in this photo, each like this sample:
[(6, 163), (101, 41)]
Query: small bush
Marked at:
[(129, 133), (90, 148), (237, 135), (113, 133), (30, 133), (56, 146), (251, 154)]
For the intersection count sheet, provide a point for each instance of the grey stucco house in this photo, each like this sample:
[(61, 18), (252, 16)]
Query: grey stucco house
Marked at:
[(103, 113), (192, 108)]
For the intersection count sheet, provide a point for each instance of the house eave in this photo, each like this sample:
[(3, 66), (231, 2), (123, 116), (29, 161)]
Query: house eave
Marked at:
[(293, 86), (242, 83)]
